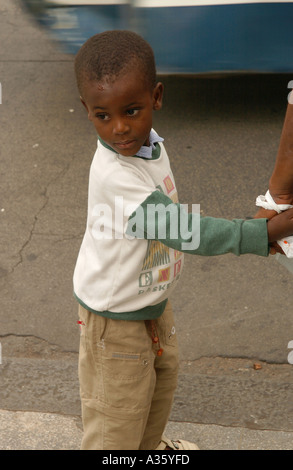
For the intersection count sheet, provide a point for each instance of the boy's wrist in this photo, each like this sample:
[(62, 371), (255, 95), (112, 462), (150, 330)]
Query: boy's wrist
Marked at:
[(264, 214), (280, 226)]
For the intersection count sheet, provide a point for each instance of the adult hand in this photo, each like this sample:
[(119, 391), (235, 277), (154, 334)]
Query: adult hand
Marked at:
[(280, 226)]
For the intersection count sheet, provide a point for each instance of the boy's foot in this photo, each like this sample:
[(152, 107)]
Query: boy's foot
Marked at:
[(169, 444)]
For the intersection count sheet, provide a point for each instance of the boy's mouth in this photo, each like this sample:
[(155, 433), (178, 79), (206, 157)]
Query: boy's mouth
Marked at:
[(124, 144)]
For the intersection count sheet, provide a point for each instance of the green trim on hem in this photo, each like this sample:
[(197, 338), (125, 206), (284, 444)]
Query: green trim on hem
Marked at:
[(147, 313)]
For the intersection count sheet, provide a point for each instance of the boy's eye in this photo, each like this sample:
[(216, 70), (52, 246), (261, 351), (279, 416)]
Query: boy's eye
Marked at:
[(103, 116), (132, 112)]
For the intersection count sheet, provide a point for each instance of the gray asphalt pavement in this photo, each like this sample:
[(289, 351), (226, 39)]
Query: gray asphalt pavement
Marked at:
[(234, 315)]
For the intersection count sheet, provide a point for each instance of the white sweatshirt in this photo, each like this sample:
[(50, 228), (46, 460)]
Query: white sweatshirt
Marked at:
[(116, 276), (131, 278)]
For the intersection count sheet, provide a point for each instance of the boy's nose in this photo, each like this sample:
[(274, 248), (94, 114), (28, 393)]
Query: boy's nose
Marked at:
[(120, 127)]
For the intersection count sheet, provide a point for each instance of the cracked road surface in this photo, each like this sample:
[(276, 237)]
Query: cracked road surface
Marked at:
[(222, 136)]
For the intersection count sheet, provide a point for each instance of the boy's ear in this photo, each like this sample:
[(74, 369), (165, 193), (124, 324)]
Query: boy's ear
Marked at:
[(158, 96), (86, 107)]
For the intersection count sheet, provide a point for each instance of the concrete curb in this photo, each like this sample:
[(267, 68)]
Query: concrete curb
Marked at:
[(46, 431)]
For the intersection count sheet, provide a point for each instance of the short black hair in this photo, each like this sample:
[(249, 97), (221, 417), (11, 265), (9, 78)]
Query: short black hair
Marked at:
[(107, 54)]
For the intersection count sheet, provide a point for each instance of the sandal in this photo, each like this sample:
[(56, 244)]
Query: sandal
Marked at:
[(170, 444)]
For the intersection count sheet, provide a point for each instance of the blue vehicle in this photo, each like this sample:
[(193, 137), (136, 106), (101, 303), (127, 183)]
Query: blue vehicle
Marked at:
[(188, 36)]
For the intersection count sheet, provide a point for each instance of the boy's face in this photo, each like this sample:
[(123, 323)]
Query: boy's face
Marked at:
[(121, 110)]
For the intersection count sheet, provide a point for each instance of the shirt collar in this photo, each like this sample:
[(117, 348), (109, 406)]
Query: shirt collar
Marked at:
[(145, 151)]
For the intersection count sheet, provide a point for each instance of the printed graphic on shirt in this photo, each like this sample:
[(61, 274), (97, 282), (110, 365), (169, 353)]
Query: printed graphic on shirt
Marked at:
[(168, 184), (177, 268), (146, 279), (164, 275), (157, 254), (177, 254), (163, 286)]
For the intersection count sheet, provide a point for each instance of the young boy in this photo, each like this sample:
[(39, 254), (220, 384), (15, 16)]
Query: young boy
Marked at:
[(127, 267)]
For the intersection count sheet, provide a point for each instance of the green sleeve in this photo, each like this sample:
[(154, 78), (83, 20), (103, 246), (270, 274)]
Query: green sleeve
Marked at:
[(161, 219)]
